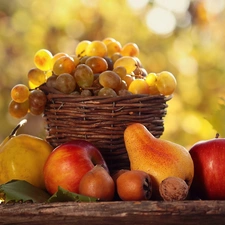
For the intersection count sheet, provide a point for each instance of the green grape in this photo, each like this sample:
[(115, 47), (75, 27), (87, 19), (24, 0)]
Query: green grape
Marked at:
[(65, 83), (126, 61), (115, 56), (130, 49), (81, 48), (18, 110), (121, 71), (83, 59), (96, 48), (36, 111), (138, 86), (51, 81), (122, 86), (64, 64), (84, 76), (109, 62), (37, 98), (86, 93), (57, 56), (166, 83), (128, 79), (113, 47), (109, 79), (124, 92), (36, 77), (105, 91), (42, 59), (20, 93), (97, 64)]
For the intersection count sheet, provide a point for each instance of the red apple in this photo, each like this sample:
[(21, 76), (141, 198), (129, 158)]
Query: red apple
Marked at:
[(209, 169), (68, 163)]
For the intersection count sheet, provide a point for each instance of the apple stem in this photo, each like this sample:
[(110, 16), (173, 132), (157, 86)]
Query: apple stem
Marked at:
[(20, 124), (217, 135)]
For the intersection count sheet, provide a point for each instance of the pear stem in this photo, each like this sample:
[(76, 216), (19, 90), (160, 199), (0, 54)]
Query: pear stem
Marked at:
[(20, 124)]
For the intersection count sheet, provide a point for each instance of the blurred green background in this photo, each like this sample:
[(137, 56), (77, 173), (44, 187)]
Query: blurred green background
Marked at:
[(184, 37)]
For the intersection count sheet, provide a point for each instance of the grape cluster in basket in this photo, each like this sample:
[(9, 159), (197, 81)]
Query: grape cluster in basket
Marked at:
[(98, 68)]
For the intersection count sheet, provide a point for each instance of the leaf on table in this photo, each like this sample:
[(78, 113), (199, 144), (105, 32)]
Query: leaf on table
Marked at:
[(216, 119), (63, 195), (20, 190)]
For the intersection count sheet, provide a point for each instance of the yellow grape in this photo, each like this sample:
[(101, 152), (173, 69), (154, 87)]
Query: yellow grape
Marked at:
[(138, 86), (130, 49), (48, 74), (97, 64), (18, 110), (42, 59), (126, 61), (153, 90), (57, 56), (20, 93), (76, 60), (113, 47), (64, 64), (151, 79), (36, 76), (31, 85), (96, 48), (166, 83), (81, 48), (108, 40)]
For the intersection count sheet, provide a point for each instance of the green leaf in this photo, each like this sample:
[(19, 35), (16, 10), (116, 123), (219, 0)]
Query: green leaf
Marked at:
[(20, 190), (63, 195), (216, 119)]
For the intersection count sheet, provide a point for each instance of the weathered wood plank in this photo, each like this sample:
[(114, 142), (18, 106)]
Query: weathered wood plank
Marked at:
[(145, 212)]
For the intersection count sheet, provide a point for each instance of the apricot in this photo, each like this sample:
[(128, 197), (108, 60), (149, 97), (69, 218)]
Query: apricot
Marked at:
[(97, 183), (116, 174), (134, 185)]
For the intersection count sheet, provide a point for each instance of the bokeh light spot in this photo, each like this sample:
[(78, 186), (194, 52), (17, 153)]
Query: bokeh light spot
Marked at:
[(160, 21)]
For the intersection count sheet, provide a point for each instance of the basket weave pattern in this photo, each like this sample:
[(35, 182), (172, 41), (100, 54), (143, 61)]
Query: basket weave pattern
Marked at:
[(102, 121)]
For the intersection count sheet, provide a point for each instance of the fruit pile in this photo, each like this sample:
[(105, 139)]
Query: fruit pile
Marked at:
[(159, 169), (98, 68)]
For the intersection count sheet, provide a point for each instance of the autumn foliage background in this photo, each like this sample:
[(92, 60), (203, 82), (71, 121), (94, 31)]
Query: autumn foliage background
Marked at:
[(182, 36)]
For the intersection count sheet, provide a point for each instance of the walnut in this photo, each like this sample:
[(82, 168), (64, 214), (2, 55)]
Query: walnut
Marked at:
[(173, 189)]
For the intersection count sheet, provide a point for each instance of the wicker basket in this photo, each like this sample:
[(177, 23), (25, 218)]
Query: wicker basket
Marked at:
[(102, 121)]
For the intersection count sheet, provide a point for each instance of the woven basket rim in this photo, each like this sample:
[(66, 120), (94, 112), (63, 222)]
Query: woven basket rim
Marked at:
[(107, 98)]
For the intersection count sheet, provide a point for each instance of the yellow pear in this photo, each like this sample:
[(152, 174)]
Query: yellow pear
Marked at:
[(22, 157), (159, 158)]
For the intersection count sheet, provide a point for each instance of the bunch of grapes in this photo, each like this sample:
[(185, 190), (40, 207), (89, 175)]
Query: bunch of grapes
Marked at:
[(97, 68)]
